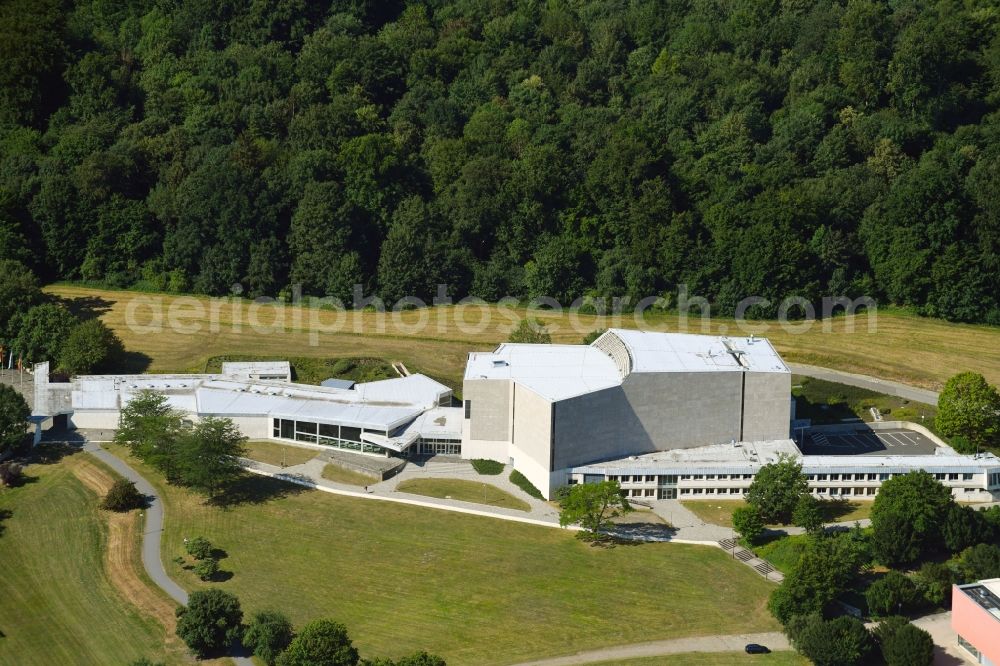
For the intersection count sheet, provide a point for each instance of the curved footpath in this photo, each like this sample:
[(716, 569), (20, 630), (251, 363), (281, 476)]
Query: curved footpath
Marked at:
[(732, 643), (151, 538), (886, 386)]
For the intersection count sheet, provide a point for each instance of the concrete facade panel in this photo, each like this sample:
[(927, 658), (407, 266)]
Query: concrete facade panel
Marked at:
[(490, 408), (532, 437), (767, 406)]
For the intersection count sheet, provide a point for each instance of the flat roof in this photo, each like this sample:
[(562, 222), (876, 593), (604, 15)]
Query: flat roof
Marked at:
[(558, 372), (986, 593), (743, 457), (256, 367), (555, 372), (655, 351), (380, 405)]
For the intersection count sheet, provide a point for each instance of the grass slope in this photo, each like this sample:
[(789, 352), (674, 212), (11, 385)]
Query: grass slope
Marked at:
[(273, 453), (57, 605), (349, 477), (917, 350), (465, 491), (827, 402), (405, 578), (720, 512)]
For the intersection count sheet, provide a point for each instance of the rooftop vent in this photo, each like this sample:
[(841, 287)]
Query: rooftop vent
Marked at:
[(499, 363)]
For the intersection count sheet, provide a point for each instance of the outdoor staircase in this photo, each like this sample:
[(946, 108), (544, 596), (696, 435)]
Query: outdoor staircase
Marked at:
[(747, 557)]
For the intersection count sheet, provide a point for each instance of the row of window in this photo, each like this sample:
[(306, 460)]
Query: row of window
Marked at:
[(439, 447), (861, 476), (994, 479), (338, 437), (712, 491)]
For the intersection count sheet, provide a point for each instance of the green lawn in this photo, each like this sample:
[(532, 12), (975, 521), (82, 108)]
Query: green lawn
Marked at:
[(465, 491), (404, 578), (339, 474), (720, 512), (827, 402), (273, 453), (784, 658), (56, 604), (783, 552)]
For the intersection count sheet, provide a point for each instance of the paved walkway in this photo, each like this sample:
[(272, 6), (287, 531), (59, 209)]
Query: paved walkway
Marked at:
[(151, 538), (730, 643), (946, 650), (867, 382)]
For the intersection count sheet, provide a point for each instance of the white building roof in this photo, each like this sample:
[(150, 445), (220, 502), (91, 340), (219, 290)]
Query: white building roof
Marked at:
[(250, 368), (747, 456), (555, 372), (558, 372), (653, 351), (374, 406)]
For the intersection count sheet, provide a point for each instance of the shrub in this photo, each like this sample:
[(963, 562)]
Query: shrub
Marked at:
[(893, 593), (210, 622), (490, 467), (748, 523), (934, 581), (123, 496), (206, 569), (808, 514), (979, 562), (522, 482), (842, 640), (320, 642), (199, 548), (268, 633), (903, 644), (10, 473)]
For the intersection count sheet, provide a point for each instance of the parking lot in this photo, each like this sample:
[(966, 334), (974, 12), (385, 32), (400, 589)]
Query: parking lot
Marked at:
[(868, 442)]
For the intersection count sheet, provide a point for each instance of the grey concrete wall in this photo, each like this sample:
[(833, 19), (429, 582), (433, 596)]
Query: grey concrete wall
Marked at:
[(649, 412), (532, 437), (490, 413), (767, 408)]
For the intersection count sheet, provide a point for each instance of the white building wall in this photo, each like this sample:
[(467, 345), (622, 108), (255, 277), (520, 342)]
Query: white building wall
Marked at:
[(94, 420), (531, 450)]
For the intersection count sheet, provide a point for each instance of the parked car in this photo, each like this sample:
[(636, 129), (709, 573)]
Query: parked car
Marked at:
[(754, 648)]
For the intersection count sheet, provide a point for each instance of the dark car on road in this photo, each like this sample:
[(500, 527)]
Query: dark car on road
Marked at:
[(754, 648)]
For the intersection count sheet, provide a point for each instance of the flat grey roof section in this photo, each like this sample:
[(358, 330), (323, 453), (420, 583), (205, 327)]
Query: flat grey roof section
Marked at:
[(868, 443), (333, 382)]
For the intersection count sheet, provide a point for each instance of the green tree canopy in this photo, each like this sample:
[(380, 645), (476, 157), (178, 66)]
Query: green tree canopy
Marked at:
[(903, 644), (90, 347), (907, 517), (320, 643), (592, 506), (530, 331), (14, 413), (268, 633), (748, 523), (892, 593), (211, 622), (19, 292), (208, 454), (151, 430), (39, 333), (969, 410), (776, 489), (842, 640)]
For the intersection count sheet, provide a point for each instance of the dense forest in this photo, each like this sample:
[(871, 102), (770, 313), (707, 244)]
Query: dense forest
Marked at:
[(505, 147)]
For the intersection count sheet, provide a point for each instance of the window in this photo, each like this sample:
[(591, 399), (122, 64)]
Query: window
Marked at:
[(953, 476), (287, 429), (821, 477), (350, 434), (710, 477), (810, 477), (869, 491), (967, 477), (858, 491), (697, 491), (835, 477), (834, 491), (734, 491), (685, 476), (939, 477), (748, 476), (821, 491), (699, 476), (709, 491), (883, 477), (468, 409), (650, 492), (871, 477), (650, 479), (331, 431), (685, 491)]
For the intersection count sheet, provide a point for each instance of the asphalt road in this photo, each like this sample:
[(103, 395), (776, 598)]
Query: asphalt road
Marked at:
[(886, 386)]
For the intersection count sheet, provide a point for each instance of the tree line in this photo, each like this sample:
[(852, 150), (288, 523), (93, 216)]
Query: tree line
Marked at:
[(608, 148)]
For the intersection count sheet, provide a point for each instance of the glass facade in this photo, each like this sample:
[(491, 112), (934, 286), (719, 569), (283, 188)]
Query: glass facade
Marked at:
[(340, 437), (439, 447)]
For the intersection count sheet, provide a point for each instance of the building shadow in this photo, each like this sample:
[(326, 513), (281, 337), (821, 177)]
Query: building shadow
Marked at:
[(50, 453), (132, 363), (254, 489)]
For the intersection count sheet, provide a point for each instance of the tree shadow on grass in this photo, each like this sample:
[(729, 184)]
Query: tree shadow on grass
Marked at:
[(132, 362), (835, 509), (50, 453), (4, 515), (85, 307), (253, 489)]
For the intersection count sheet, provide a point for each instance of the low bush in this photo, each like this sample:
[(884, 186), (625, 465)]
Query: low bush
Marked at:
[(199, 548), (206, 569), (903, 644), (268, 633), (490, 467), (10, 474), (522, 482), (123, 496), (893, 593)]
